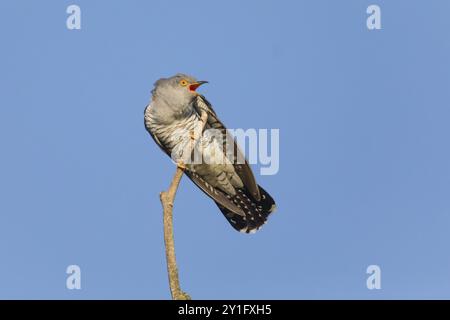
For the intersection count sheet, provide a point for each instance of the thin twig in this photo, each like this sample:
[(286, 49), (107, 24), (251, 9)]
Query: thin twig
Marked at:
[(167, 198)]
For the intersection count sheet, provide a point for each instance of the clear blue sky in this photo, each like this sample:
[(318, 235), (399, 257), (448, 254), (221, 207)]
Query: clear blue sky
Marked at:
[(364, 167)]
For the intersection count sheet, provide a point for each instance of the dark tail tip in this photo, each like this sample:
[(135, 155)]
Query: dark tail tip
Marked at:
[(255, 212)]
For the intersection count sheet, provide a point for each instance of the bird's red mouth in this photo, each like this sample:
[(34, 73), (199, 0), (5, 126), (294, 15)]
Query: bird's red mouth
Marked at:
[(195, 85)]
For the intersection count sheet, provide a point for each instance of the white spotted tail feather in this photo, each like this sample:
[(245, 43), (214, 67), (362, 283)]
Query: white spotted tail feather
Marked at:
[(255, 212)]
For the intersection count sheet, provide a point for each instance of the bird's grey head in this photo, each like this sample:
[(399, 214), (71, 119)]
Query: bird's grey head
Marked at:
[(177, 92)]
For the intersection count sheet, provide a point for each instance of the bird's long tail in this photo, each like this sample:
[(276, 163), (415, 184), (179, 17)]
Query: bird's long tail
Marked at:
[(255, 212)]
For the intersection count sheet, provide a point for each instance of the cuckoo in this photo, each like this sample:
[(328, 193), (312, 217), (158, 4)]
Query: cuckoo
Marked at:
[(210, 158)]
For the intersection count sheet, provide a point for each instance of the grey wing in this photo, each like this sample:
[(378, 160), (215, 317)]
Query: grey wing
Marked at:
[(216, 194), (230, 148), (247, 206)]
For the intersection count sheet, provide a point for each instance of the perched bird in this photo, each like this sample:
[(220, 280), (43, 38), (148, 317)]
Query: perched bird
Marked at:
[(176, 110)]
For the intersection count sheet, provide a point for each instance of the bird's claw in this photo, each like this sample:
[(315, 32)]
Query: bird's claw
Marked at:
[(181, 165)]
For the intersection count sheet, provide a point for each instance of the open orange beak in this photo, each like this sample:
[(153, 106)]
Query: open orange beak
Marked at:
[(195, 85)]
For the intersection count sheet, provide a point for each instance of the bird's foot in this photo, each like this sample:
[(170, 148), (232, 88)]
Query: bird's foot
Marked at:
[(181, 165)]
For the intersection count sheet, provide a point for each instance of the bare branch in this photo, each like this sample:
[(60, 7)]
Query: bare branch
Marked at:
[(167, 198)]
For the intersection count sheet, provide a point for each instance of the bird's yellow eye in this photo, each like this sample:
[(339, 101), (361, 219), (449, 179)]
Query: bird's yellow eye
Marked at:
[(183, 83)]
